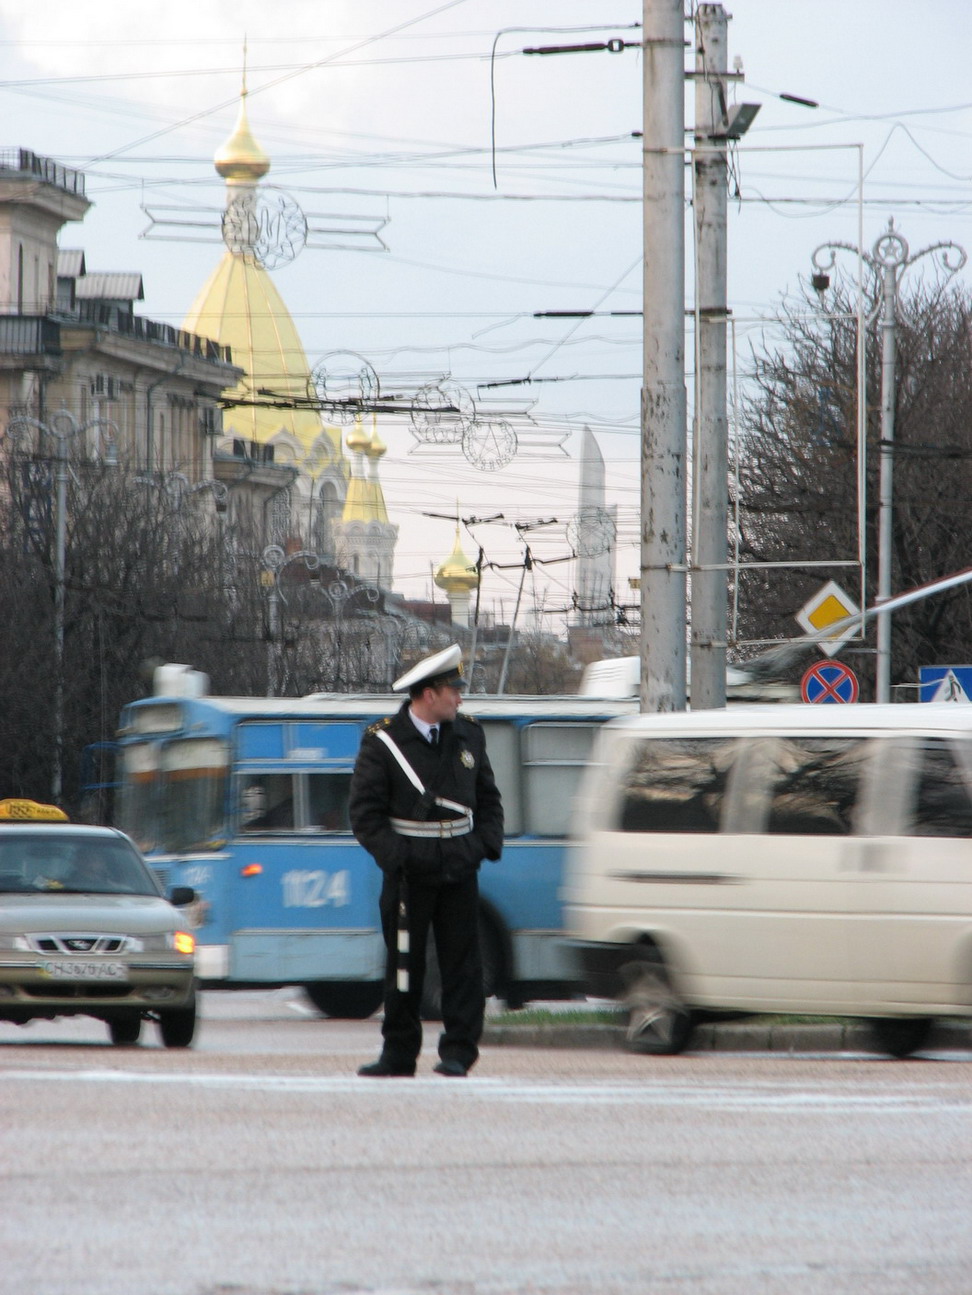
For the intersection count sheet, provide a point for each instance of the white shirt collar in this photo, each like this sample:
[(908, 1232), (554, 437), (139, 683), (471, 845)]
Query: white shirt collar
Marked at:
[(421, 725)]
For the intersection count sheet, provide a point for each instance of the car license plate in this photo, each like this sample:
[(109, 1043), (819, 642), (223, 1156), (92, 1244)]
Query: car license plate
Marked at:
[(74, 969)]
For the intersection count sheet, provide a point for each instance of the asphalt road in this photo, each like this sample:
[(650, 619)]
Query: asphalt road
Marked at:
[(259, 1164)]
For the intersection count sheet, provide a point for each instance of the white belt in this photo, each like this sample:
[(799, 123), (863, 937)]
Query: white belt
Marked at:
[(441, 829)]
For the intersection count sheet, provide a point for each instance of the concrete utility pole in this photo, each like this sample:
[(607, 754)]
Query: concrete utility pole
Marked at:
[(663, 402), (710, 458)]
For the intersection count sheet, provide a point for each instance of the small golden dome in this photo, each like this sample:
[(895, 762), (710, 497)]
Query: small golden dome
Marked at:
[(457, 574), (376, 447), (241, 160), (358, 439)]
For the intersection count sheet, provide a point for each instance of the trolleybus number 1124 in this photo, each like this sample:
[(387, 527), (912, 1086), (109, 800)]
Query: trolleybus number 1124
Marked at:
[(316, 889)]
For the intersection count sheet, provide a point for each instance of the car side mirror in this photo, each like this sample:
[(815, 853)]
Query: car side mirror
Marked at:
[(180, 896)]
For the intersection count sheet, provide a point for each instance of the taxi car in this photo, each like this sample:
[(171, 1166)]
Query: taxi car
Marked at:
[(85, 929)]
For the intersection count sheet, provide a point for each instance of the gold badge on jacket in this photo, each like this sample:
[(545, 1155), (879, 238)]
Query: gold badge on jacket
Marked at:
[(467, 758)]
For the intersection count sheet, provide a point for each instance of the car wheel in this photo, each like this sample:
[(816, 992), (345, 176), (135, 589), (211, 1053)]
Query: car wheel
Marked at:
[(125, 1030), (178, 1026), (900, 1036), (354, 1000), (492, 959), (659, 1024)]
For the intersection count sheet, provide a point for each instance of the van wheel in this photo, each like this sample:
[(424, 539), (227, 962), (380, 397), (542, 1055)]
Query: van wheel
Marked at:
[(659, 1024), (489, 950), (900, 1036)]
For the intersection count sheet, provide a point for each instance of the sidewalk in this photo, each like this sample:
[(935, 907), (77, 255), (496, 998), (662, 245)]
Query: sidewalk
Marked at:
[(734, 1036)]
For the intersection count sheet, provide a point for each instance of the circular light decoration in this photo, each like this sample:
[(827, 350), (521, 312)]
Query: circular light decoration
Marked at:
[(346, 382), (267, 227), (441, 413), (591, 532), (489, 445)]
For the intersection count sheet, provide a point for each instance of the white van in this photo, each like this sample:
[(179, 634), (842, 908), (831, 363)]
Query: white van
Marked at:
[(798, 859)]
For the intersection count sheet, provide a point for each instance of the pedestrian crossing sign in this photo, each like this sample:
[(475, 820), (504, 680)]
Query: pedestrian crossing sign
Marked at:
[(945, 683), (829, 606)]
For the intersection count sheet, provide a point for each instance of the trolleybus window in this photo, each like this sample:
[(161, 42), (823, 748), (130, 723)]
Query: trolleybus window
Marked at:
[(327, 801), (676, 785), (299, 802), (267, 802), (503, 747), (194, 773), (139, 801), (553, 762)]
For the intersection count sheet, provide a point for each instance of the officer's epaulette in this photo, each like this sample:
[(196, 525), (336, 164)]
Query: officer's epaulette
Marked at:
[(470, 719), (382, 723)]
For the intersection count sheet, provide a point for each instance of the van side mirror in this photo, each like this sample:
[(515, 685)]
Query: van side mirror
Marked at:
[(180, 896)]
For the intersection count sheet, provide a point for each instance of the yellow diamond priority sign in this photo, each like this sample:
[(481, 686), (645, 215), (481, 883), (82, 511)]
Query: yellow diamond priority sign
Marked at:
[(829, 606)]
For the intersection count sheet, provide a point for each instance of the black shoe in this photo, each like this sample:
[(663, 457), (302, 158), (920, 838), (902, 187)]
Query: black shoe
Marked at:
[(454, 1069), (382, 1069)]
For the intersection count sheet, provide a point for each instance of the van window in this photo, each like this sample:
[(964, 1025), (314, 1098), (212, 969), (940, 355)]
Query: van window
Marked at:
[(676, 785), (942, 802), (815, 785)]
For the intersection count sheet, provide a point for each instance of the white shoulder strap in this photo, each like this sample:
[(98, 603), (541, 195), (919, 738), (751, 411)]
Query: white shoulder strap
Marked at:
[(406, 768), (413, 777)]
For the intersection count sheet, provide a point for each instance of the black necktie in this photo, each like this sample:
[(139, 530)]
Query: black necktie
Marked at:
[(434, 735)]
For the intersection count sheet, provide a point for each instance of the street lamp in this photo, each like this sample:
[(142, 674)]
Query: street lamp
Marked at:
[(63, 427), (889, 257)]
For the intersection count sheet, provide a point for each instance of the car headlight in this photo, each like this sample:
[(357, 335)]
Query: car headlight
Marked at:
[(183, 942), (150, 943), (9, 942), (163, 941)]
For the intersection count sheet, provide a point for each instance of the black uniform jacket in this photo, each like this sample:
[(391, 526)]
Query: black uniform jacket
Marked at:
[(457, 769)]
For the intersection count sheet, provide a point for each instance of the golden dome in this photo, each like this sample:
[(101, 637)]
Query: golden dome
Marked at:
[(358, 439), (457, 574), (241, 160), (376, 447), (239, 306)]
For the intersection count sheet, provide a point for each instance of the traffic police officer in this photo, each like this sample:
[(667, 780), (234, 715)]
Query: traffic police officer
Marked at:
[(425, 804)]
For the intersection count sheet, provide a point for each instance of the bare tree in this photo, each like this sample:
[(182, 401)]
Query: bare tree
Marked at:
[(797, 482), (145, 579)]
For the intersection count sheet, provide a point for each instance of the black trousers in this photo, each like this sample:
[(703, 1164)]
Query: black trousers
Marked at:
[(451, 911)]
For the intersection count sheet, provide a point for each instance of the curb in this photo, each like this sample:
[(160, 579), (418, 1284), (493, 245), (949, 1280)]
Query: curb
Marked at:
[(745, 1036)]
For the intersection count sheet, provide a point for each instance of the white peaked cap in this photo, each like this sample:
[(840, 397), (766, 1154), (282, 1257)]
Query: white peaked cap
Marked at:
[(443, 667)]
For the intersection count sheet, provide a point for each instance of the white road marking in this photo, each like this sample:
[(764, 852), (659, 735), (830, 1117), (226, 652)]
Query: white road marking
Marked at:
[(757, 1097)]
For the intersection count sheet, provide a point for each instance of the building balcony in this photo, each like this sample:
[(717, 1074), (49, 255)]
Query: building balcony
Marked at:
[(21, 162), (22, 335)]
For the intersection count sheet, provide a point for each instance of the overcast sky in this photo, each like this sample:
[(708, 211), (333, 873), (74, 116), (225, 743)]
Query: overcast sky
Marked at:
[(383, 109)]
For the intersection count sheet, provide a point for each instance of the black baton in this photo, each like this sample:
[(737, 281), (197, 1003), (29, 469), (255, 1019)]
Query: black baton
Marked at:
[(401, 945)]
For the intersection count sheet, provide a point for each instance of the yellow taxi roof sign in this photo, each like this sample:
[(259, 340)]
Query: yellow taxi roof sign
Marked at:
[(17, 810)]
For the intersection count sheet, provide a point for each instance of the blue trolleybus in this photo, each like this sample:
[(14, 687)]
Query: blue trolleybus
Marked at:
[(246, 800)]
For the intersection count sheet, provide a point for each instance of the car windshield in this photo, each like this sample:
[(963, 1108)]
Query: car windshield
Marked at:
[(68, 864)]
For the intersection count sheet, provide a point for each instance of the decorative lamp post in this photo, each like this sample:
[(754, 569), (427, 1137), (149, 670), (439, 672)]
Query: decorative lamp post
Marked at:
[(889, 258), (275, 561)]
